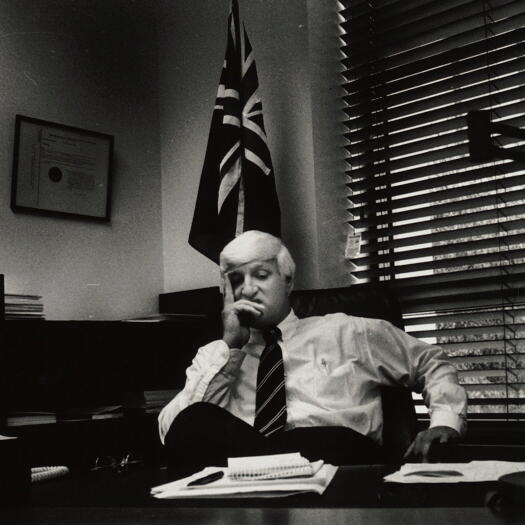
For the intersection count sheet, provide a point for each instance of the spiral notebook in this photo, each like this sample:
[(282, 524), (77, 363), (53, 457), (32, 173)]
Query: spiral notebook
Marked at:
[(276, 466)]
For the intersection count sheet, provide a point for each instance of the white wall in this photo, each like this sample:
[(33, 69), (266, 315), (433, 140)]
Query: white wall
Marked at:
[(91, 64), (298, 95), (132, 68)]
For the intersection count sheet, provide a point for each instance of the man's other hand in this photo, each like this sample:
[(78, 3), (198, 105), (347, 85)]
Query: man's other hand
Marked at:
[(420, 447)]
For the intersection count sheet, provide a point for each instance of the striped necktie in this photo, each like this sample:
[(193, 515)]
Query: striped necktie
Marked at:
[(270, 398)]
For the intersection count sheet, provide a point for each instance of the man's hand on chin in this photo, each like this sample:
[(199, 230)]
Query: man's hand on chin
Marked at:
[(420, 447), (237, 317)]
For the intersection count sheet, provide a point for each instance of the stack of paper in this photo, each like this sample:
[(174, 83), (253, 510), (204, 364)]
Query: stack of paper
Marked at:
[(230, 485), (475, 471)]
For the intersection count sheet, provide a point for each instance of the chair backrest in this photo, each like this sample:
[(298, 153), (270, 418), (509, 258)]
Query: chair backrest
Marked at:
[(372, 300), (375, 301)]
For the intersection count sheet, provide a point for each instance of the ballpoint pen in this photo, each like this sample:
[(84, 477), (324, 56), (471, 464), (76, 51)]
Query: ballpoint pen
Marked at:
[(434, 473), (214, 476)]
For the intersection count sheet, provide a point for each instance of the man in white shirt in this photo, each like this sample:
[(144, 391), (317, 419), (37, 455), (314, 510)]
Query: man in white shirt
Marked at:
[(334, 366)]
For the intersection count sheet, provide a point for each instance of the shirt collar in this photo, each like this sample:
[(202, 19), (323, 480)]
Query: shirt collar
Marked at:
[(287, 325)]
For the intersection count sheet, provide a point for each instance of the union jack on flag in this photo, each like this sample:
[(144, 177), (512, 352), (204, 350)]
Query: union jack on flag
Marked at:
[(237, 186)]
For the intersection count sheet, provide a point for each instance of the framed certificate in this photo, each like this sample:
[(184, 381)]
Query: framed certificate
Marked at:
[(61, 170)]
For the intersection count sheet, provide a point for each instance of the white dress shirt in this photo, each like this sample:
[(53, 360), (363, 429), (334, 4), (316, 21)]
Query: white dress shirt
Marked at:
[(334, 367)]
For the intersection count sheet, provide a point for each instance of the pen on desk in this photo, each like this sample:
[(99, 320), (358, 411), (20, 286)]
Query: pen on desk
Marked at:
[(214, 476), (434, 473)]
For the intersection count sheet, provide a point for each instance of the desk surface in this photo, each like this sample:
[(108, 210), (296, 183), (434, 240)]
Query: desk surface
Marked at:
[(256, 516), (357, 486), (356, 495)]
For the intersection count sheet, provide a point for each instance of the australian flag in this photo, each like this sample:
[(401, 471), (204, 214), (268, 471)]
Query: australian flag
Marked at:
[(237, 186)]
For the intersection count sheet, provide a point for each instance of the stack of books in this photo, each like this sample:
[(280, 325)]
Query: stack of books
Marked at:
[(33, 417), (19, 306), (155, 400)]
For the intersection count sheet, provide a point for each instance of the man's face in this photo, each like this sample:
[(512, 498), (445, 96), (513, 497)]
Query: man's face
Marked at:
[(262, 283)]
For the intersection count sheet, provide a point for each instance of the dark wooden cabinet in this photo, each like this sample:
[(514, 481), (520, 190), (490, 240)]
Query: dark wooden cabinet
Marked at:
[(70, 368)]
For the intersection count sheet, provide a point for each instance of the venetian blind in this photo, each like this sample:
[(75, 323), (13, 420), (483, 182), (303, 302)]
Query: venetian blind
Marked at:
[(446, 232)]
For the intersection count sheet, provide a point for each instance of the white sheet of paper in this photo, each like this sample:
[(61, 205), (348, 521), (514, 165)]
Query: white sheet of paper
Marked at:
[(353, 246), (475, 471)]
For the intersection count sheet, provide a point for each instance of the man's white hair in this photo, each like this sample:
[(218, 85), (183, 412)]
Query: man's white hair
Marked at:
[(254, 245)]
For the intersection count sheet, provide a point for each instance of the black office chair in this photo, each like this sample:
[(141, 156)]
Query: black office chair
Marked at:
[(376, 301)]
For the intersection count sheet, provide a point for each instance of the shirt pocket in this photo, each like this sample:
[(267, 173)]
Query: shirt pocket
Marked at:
[(331, 383)]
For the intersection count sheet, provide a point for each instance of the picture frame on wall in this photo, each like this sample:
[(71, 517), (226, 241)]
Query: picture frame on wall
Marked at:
[(61, 170)]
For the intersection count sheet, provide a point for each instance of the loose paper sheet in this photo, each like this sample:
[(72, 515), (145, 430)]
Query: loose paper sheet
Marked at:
[(475, 471)]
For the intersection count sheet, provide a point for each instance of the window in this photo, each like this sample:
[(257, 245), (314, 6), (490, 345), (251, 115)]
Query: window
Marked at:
[(447, 233)]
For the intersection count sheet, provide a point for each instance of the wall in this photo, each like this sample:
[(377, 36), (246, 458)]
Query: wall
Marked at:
[(91, 64), (296, 76)]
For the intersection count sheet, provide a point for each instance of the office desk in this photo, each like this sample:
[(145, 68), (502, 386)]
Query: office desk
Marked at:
[(257, 516), (356, 495), (357, 486)]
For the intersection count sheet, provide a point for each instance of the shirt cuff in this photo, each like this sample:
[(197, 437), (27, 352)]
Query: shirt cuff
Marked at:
[(446, 418), (233, 364), (230, 354), (221, 374)]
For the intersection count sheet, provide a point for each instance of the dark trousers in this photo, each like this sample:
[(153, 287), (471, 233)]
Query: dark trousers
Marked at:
[(207, 435)]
